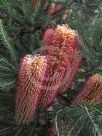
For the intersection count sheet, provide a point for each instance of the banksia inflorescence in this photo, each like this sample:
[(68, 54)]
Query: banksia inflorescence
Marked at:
[(42, 77), (55, 76), (62, 45), (61, 36), (91, 91), (31, 74)]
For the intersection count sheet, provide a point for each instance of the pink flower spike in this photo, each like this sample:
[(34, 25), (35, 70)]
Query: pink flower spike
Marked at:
[(31, 73)]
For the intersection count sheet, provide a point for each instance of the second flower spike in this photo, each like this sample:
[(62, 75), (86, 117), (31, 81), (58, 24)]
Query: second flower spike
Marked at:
[(62, 45)]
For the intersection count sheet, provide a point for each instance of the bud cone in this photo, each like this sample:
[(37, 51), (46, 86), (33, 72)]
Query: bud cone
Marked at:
[(31, 73), (91, 91)]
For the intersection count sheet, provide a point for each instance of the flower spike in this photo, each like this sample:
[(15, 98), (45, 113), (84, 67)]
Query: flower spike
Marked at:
[(31, 73), (91, 91)]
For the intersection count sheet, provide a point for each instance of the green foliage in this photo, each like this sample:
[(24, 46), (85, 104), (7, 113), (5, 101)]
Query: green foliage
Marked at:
[(7, 74), (82, 120), (6, 41), (7, 69)]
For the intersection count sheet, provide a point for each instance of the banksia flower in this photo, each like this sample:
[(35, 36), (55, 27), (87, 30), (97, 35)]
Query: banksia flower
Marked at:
[(91, 91), (61, 37), (31, 73), (61, 41), (55, 75), (62, 45)]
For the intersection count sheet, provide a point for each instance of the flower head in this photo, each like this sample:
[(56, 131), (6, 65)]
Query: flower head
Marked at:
[(62, 46), (55, 75), (61, 37), (91, 91), (31, 73)]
